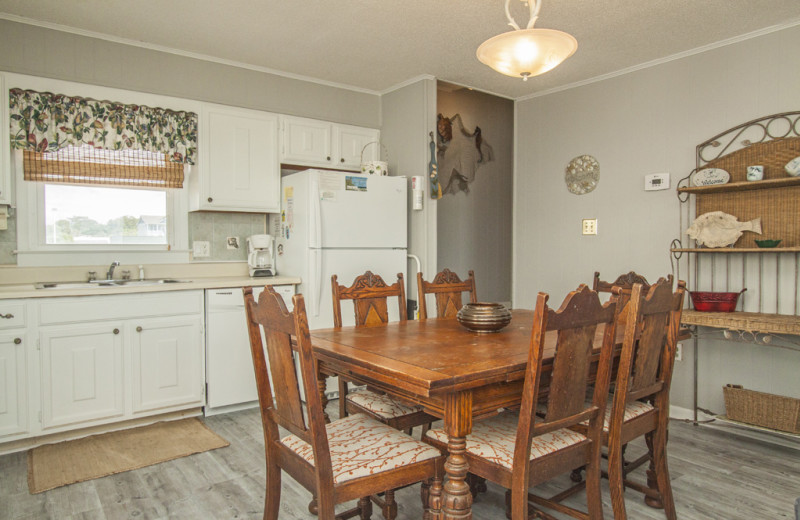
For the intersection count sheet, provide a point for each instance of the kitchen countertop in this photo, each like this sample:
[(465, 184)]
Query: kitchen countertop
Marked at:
[(194, 283)]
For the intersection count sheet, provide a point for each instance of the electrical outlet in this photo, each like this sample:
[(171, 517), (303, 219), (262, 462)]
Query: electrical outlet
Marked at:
[(679, 352), (201, 248), (589, 226)]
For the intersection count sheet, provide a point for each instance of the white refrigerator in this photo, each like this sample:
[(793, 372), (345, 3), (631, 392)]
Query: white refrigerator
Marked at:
[(339, 223)]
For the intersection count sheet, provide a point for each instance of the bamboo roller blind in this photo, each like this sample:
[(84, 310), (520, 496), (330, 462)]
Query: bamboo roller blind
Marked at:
[(89, 165)]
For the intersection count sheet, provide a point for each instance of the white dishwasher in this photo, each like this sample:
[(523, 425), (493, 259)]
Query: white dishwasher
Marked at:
[(230, 381)]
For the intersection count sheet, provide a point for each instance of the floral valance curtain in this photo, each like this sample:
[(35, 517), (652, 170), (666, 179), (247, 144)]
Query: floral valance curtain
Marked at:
[(45, 122)]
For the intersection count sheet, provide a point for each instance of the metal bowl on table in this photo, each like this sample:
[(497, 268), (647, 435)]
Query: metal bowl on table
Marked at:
[(484, 317)]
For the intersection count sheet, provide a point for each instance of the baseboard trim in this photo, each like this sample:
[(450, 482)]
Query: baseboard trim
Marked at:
[(709, 421)]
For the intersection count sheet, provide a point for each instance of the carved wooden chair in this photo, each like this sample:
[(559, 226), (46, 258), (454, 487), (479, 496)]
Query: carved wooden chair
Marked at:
[(641, 397), (519, 451), (350, 458), (370, 295), (625, 282), (447, 289)]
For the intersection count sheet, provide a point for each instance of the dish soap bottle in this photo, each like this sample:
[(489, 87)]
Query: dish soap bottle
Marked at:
[(141, 272)]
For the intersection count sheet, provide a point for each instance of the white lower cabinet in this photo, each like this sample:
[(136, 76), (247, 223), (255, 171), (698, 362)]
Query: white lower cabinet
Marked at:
[(13, 387), (75, 362), (167, 363), (82, 373)]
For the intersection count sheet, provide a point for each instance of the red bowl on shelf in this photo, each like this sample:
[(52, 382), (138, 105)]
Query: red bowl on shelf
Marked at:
[(715, 301)]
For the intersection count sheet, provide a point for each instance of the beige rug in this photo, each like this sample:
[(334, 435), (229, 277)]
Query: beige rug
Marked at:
[(55, 465)]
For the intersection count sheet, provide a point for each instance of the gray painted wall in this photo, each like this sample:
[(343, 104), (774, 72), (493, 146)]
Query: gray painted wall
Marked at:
[(639, 123), (474, 229), (409, 114), (37, 51)]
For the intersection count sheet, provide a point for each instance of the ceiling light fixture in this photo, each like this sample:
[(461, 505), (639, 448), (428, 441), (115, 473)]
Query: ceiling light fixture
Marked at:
[(526, 52)]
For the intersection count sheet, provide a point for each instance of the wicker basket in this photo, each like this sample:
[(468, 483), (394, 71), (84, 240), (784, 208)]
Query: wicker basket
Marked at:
[(768, 410)]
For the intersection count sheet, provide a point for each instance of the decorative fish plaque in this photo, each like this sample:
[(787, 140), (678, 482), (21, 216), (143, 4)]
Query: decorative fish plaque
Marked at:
[(719, 229)]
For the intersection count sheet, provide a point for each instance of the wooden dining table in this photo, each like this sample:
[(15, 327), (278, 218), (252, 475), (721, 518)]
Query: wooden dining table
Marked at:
[(453, 373)]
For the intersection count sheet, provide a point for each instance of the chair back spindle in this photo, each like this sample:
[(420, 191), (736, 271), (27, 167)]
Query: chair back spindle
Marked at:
[(370, 296), (646, 369), (447, 289), (576, 323)]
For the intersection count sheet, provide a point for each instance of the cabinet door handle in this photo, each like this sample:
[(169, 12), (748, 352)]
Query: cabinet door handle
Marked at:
[(116, 331), (210, 199), (6, 316), (328, 158), (139, 329), (342, 159), (17, 341)]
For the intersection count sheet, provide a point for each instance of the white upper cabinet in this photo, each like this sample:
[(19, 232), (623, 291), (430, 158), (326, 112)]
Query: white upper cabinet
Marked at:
[(309, 142), (352, 140), (239, 168)]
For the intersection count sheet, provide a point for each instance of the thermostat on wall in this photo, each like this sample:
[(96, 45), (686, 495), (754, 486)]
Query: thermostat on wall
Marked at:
[(656, 181)]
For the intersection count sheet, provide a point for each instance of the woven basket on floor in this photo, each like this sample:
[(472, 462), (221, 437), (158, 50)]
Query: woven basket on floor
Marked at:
[(768, 410)]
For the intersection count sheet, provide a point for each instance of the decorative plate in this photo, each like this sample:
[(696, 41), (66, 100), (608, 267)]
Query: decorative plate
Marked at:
[(710, 176), (582, 174), (793, 167)]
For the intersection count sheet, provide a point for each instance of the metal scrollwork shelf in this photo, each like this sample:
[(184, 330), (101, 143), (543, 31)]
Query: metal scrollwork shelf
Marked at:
[(770, 306)]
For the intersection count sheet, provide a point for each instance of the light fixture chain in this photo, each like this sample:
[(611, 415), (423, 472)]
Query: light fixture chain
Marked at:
[(533, 6)]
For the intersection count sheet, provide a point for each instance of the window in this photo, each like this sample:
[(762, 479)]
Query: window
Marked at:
[(87, 211), (101, 215), (100, 180)]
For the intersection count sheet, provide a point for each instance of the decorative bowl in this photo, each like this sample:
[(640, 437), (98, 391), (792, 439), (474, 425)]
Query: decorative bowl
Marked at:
[(715, 301), (767, 243), (484, 317)]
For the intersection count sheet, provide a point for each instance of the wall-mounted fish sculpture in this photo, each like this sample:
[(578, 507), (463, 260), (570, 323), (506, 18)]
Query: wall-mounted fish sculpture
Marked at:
[(719, 229)]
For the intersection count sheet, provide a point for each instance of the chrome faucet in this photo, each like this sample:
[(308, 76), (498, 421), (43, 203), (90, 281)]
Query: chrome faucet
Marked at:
[(110, 273)]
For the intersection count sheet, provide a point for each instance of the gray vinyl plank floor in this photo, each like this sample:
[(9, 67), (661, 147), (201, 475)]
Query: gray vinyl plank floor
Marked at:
[(715, 475)]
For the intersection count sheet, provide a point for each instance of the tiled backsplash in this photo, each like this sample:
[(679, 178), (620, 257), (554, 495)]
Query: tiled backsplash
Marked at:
[(8, 242), (217, 227)]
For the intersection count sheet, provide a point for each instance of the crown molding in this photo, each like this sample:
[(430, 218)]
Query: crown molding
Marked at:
[(406, 83)]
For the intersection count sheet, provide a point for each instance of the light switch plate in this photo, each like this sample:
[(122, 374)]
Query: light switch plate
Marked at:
[(201, 248), (656, 181), (589, 226)]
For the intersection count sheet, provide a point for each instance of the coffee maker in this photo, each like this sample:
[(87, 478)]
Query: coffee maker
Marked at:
[(260, 255)]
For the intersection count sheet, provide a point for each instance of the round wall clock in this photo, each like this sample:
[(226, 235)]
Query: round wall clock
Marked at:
[(582, 174)]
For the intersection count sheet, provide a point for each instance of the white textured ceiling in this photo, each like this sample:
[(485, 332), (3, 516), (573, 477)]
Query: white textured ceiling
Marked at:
[(377, 44)]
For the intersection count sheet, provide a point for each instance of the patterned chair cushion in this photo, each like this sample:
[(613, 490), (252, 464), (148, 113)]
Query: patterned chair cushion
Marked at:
[(632, 410), (381, 405), (493, 439), (361, 446)]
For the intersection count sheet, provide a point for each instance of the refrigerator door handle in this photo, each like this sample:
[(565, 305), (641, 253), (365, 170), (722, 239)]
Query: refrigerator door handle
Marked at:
[(316, 280), (315, 233)]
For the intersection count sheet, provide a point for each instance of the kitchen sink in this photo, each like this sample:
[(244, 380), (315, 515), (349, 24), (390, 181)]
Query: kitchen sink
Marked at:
[(107, 283)]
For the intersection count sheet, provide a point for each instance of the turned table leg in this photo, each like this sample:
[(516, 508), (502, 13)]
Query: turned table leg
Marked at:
[(457, 498)]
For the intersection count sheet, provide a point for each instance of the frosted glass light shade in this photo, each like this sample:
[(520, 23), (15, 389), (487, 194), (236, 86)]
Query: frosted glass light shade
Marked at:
[(527, 52)]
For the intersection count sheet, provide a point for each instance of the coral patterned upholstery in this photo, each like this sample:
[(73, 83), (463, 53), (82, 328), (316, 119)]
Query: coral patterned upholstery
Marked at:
[(493, 439), (632, 410), (381, 405), (361, 446)]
